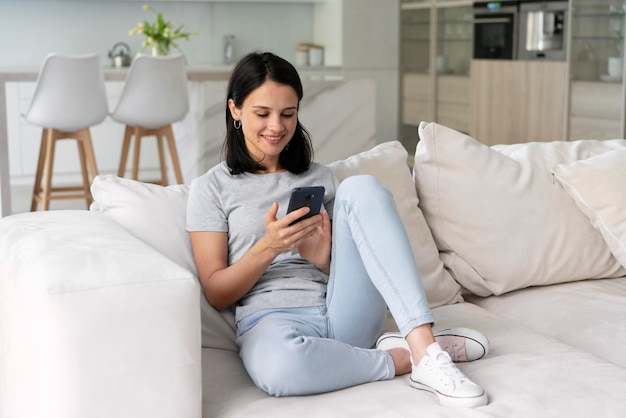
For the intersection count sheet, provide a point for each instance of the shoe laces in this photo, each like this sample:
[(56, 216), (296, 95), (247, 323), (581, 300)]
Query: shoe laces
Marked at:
[(453, 352), (446, 370)]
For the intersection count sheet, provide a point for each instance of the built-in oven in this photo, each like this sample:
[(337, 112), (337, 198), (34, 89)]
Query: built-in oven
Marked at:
[(495, 29), (543, 30)]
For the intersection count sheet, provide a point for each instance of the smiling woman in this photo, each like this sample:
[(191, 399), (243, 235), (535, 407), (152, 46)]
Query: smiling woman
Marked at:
[(310, 295), (268, 119)]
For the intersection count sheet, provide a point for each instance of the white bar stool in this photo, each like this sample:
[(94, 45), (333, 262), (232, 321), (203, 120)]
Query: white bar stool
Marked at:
[(69, 98), (154, 96)]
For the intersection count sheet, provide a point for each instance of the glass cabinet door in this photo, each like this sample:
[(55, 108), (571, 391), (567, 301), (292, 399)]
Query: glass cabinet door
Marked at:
[(452, 63), (415, 64), (454, 39), (597, 40), (597, 69)]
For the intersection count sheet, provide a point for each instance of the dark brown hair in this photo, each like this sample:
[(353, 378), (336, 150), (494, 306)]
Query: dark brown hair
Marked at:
[(249, 73)]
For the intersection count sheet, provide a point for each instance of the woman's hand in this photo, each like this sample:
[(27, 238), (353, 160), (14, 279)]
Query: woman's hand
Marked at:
[(316, 247), (281, 237), (225, 284)]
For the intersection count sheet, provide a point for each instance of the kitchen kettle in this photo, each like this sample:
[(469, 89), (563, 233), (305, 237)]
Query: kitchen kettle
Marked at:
[(120, 55)]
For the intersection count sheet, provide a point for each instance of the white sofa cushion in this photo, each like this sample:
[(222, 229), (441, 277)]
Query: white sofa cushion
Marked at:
[(388, 163), (598, 186), (156, 215), (499, 219), (526, 374), (152, 213), (93, 322)]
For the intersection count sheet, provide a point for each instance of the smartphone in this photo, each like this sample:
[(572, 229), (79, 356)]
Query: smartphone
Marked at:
[(306, 196)]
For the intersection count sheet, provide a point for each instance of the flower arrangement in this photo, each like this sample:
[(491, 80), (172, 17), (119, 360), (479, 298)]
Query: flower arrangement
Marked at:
[(160, 35)]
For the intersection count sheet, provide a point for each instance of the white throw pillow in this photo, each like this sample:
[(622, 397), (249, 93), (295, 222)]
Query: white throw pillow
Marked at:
[(598, 186), (153, 213), (388, 163), (156, 215), (499, 219)]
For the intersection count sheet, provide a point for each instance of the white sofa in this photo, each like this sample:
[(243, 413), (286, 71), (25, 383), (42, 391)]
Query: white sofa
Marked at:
[(101, 314)]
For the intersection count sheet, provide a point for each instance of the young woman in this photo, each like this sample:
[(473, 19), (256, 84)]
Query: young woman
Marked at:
[(311, 296)]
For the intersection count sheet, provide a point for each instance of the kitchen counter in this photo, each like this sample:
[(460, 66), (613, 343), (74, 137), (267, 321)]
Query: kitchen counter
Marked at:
[(340, 115)]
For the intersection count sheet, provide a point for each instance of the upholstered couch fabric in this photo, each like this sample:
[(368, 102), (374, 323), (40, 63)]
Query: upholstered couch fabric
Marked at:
[(93, 323), (101, 314), (500, 220)]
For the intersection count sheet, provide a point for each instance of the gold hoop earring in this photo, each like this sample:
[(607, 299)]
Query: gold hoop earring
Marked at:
[(237, 125)]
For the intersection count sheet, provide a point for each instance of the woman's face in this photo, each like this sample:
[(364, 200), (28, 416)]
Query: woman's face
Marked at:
[(269, 117)]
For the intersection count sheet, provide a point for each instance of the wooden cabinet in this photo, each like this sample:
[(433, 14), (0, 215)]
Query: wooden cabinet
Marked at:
[(518, 101), (453, 101), (595, 110), (415, 98)]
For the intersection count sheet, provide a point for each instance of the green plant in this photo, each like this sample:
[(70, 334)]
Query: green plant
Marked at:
[(160, 35)]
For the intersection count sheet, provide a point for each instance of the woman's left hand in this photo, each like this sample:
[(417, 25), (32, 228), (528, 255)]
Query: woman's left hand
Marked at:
[(316, 247)]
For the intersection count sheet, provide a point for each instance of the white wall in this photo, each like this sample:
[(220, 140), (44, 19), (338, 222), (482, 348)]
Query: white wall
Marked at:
[(33, 28), (360, 36)]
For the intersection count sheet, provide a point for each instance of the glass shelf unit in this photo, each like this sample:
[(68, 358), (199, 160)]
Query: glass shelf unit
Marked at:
[(597, 69), (454, 39), (597, 35), (415, 40), (435, 57)]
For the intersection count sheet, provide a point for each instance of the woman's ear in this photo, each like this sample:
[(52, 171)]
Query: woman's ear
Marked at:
[(234, 111)]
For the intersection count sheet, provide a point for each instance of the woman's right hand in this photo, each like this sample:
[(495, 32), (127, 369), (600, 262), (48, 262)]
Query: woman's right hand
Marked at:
[(281, 237), (225, 284)]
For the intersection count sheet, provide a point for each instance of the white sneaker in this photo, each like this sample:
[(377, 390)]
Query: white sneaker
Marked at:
[(463, 344), (437, 374)]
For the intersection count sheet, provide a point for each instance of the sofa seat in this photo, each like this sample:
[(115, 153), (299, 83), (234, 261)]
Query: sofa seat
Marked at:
[(588, 314), (526, 374)]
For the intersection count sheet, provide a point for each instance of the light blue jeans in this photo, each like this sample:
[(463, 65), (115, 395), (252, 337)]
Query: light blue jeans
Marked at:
[(302, 351)]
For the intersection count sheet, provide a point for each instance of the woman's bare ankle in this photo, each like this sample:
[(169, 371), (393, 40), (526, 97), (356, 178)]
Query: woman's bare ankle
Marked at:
[(401, 360)]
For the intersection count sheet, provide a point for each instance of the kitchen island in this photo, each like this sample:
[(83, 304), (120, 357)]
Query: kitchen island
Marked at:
[(340, 115)]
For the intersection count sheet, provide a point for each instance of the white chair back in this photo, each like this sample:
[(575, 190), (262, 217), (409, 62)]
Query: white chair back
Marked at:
[(155, 93), (70, 93)]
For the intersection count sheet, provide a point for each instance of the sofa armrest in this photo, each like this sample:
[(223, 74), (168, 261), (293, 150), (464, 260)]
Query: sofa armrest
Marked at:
[(93, 322)]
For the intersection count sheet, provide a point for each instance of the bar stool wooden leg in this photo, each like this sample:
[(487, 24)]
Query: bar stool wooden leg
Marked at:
[(159, 138), (174, 153), (128, 133), (48, 165), (39, 173), (137, 133), (81, 140), (89, 153)]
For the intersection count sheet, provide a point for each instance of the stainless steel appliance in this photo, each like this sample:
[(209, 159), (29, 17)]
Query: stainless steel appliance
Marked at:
[(495, 29), (120, 55), (542, 30)]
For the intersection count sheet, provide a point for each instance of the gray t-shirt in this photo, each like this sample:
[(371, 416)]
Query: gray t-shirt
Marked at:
[(238, 204)]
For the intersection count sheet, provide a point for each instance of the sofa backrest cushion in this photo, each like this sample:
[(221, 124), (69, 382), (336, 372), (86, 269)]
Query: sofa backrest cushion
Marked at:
[(388, 163), (500, 220), (598, 186), (156, 215)]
